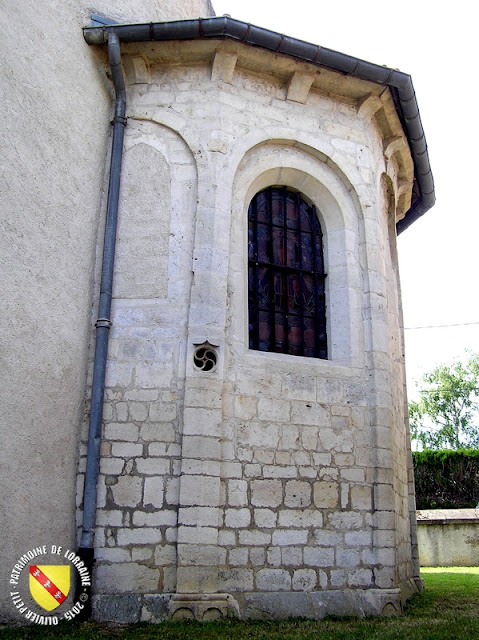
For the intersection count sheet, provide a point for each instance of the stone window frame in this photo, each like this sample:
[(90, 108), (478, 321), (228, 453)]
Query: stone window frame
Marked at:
[(323, 183), (288, 265)]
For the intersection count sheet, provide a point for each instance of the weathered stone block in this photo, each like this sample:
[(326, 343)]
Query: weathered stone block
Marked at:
[(297, 494), (128, 491), (289, 537), (266, 493), (273, 580), (127, 577), (237, 518), (304, 580)]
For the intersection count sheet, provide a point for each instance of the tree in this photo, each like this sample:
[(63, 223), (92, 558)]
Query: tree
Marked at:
[(446, 416)]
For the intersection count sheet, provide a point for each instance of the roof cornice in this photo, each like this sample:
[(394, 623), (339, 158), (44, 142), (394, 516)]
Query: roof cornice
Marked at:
[(225, 27)]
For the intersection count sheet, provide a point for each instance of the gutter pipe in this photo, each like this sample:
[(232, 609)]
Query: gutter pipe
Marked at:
[(103, 323), (228, 28)]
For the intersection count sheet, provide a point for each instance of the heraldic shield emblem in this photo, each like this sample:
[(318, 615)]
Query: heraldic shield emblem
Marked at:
[(49, 584)]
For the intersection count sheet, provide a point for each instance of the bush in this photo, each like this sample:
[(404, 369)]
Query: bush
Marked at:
[(446, 479)]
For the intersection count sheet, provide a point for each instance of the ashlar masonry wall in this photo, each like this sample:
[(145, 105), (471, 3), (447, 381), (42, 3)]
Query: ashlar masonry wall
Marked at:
[(270, 485)]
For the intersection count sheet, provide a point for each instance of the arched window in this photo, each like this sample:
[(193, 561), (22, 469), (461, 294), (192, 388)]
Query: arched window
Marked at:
[(286, 293)]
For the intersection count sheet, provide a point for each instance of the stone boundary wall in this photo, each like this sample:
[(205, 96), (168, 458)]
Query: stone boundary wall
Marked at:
[(448, 537)]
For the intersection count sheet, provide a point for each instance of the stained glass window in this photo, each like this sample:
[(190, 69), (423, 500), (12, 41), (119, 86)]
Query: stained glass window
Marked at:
[(286, 292)]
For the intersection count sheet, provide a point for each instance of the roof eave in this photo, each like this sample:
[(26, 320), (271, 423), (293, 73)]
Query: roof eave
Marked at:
[(226, 27)]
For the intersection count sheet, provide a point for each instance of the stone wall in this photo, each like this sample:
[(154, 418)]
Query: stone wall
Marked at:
[(448, 537), (272, 484), (56, 108)]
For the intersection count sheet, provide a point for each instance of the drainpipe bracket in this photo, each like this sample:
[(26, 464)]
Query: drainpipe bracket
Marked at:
[(104, 323), (120, 120)]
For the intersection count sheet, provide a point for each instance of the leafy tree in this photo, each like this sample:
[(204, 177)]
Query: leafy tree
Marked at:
[(447, 413)]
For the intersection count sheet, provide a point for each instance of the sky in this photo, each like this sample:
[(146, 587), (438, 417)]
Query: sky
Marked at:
[(436, 44)]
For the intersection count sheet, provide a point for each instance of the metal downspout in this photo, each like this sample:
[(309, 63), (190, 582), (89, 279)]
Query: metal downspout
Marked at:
[(103, 324)]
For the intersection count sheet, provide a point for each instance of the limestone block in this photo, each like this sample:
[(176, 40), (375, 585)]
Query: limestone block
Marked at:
[(358, 538), (264, 456), (197, 535), (112, 555), (237, 518), (206, 422), (384, 496), (111, 466), (158, 431), (245, 407), (117, 431), (384, 577), (304, 580), (143, 395), (139, 554), (276, 471), (201, 447), (124, 608), (152, 375), (318, 556), (273, 409), (327, 538), (252, 470), (197, 579), (126, 450), (284, 537), (155, 606), (203, 491), (223, 66), (289, 436), (254, 538), (353, 474), (297, 494), (153, 466), (266, 493), (121, 409), (162, 412), (339, 441), (139, 536), (299, 387), (265, 518), (274, 556), (273, 580), (232, 580), (118, 374), (137, 69), (128, 491), (231, 470), (292, 556), (257, 556), (200, 516), (237, 493), (238, 557), (207, 398), (201, 555), (109, 518), (258, 434), (361, 498), (347, 557), (387, 557), (326, 495), (200, 467), (300, 518), (345, 520), (309, 437), (161, 518)]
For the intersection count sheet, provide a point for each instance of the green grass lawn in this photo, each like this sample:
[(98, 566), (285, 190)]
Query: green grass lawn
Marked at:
[(447, 610)]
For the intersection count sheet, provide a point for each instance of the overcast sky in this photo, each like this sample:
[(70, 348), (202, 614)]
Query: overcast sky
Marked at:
[(439, 253)]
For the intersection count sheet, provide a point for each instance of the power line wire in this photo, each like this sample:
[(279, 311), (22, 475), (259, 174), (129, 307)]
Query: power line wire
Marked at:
[(441, 326)]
